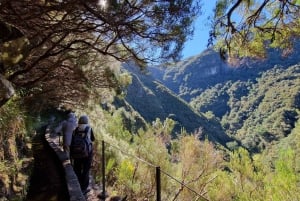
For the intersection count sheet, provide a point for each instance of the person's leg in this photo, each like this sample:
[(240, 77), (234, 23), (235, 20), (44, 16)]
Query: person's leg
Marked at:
[(86, 172), (67, 150), (77, 166)]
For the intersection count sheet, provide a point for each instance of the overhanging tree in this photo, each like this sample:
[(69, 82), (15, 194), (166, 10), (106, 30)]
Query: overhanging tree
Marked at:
[(245, 28), (59, 38)]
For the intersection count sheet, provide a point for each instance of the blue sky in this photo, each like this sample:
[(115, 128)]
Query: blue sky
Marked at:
[(198, 42)]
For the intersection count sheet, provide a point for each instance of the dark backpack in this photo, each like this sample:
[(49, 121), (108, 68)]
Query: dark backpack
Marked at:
[(80, 146)]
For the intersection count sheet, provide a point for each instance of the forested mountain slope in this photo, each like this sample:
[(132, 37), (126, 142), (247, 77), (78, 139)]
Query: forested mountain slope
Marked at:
[(256, 112), (190, 77), (153, 100), (256, 103)]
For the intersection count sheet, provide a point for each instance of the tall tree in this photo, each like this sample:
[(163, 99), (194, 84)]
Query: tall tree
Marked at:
[(60, 37)]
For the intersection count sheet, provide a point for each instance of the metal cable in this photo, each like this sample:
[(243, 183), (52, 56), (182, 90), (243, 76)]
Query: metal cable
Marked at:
[(152, 165)]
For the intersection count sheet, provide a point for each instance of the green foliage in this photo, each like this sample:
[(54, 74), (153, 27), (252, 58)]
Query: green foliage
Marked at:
[(164, 129), (258, 110), (282, 184), (255, 113), (258, 107), (240, 162), (14, 149), (152, 100), (247, 28), (13, 127), (125, 79), (116, 126), (191, 162), (199, 166), (13, 52), (223, 187), (197, 163), (251, 179), (137, 178), (232, 145), (126, 171), (273, 109), (243, 181), (221, 7)]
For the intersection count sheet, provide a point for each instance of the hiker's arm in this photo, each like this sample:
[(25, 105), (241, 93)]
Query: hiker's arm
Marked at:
[(58, 129)]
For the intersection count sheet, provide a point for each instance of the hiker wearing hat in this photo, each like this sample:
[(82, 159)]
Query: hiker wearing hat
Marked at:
[(82, 151)]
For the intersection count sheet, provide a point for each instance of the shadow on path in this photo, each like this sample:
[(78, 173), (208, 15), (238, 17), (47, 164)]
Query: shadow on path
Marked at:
[(47, 181)]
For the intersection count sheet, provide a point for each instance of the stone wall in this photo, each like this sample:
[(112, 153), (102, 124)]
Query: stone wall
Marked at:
[(70, 176)]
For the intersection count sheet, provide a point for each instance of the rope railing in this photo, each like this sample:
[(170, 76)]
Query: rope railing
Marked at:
[(157, 176)]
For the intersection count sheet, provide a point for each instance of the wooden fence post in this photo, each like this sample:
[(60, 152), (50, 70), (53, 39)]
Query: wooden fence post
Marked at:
[(103, 195), (158, 184)]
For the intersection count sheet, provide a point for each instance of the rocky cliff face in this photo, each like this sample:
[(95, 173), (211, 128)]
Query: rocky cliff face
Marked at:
[(190, 74), (190, 77)]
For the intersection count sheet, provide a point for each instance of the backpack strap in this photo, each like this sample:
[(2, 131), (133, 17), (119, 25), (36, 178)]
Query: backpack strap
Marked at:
[(86, 130)]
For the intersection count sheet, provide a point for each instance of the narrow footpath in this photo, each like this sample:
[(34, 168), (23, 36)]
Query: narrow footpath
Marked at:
[(47, 181), (49, 177)]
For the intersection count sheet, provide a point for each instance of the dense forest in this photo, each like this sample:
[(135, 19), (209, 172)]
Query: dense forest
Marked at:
[(250, 112), (255, 104), (224, 130)]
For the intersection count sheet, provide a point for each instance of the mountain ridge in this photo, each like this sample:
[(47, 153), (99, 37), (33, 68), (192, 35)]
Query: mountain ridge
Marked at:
[(153, 100), (210, 92)]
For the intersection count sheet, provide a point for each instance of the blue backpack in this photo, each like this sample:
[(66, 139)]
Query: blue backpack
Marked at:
[(80, 146)]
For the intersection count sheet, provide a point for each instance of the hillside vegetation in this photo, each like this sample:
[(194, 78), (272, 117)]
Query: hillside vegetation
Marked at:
[(152, 100), (192, 169), (257, 112), (216, 131), (255, 103), (198, 170)]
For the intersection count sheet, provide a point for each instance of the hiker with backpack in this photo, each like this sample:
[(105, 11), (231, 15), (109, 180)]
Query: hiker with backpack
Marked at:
[(82, 151), (66, 129)]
